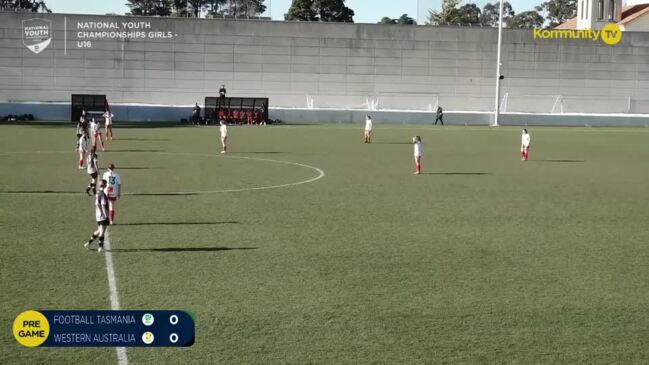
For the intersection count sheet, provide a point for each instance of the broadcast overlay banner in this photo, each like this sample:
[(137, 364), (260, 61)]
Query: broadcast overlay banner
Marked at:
[(106, 328)]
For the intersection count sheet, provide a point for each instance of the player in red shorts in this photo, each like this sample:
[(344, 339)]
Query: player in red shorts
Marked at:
[(251, 120)]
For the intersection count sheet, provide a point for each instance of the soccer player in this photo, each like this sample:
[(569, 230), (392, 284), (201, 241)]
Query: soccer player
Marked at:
[(101, 215), (91, 168), (113, 189), (525, 145), (368, 129), (439, 116), (419, 150), (108, 116), (82, 146), (95, 128), (224, 137), (82, 127)]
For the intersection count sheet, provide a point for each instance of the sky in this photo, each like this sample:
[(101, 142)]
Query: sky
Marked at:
[(367, 11)]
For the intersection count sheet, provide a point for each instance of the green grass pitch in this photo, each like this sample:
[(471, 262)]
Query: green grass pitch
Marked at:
[(482, 259)]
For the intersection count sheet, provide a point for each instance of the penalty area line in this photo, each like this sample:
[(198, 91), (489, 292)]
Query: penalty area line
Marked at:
[(122, 357)]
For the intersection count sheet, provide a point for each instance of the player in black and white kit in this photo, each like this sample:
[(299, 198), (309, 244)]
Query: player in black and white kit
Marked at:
[(92, 169), (101, 216)]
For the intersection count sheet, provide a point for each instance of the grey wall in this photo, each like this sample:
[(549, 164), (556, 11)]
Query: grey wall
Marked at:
[(329, 65)]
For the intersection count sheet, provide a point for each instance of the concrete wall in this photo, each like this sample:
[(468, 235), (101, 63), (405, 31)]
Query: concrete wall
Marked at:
[(179, 61)]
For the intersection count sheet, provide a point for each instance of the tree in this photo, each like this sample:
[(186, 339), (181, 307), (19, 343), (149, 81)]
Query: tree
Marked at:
[(150, 7), (490, 13), (403, 19), (302, 10), (557, 11), (34, 6), (448, 14), (250, 8), (468, 14), (320, 10), (333, 11), (526, 20)]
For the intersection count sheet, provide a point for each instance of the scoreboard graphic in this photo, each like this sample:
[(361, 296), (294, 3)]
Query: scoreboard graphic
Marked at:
[(107, 328)]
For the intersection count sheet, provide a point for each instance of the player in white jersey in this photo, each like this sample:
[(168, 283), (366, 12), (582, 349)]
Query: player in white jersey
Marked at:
[(82, 146), (525, 145), (108, 117), (95, 130), (224, 136), (101, 216), (92, 168), (368, 129), (419, 150), (113, 189)]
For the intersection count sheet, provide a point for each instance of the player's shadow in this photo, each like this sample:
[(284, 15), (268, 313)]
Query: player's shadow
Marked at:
[(181, 249), (257, 153), (54, 192), (391, 143), (174, 223), (131, 150), (458, 173), (143, 139), (564, 161)]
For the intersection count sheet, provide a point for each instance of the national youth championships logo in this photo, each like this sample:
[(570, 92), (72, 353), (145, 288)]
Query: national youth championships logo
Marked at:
[(37, 34), (610, 34)]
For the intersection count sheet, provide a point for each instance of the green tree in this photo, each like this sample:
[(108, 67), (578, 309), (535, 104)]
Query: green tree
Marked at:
[(469, 14), (250, 8), (526, 20), (150, 7), (557, 11), (403, 19), (179, 8), (320, 10), (490, 13), (452, 13), (448, 13), (302, 10), (333, 11), (34, 6)]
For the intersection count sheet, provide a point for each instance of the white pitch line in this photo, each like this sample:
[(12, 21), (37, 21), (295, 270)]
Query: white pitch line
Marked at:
[(122, 358), (320, 175)]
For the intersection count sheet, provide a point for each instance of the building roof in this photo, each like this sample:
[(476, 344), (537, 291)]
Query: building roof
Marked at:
[(629, 14), (568, 24)]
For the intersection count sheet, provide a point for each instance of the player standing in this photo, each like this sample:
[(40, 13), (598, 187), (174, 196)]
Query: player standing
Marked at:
[(108, 117), (113, 189), (525, 145), (82, 146), (95, 129), (92, 168), (368, 129), (419, 150), (101, 215), (224, 137)]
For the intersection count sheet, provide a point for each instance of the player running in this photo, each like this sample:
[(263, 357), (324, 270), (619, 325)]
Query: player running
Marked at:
[(525, 145), (82, 146), (95, 129), (113, 190), (368, 129), (92, 169), (224, 137), (108, 117), (101, 215), (419, 150)]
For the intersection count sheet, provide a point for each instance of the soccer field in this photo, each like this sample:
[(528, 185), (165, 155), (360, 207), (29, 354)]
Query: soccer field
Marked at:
[(305, 245)]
